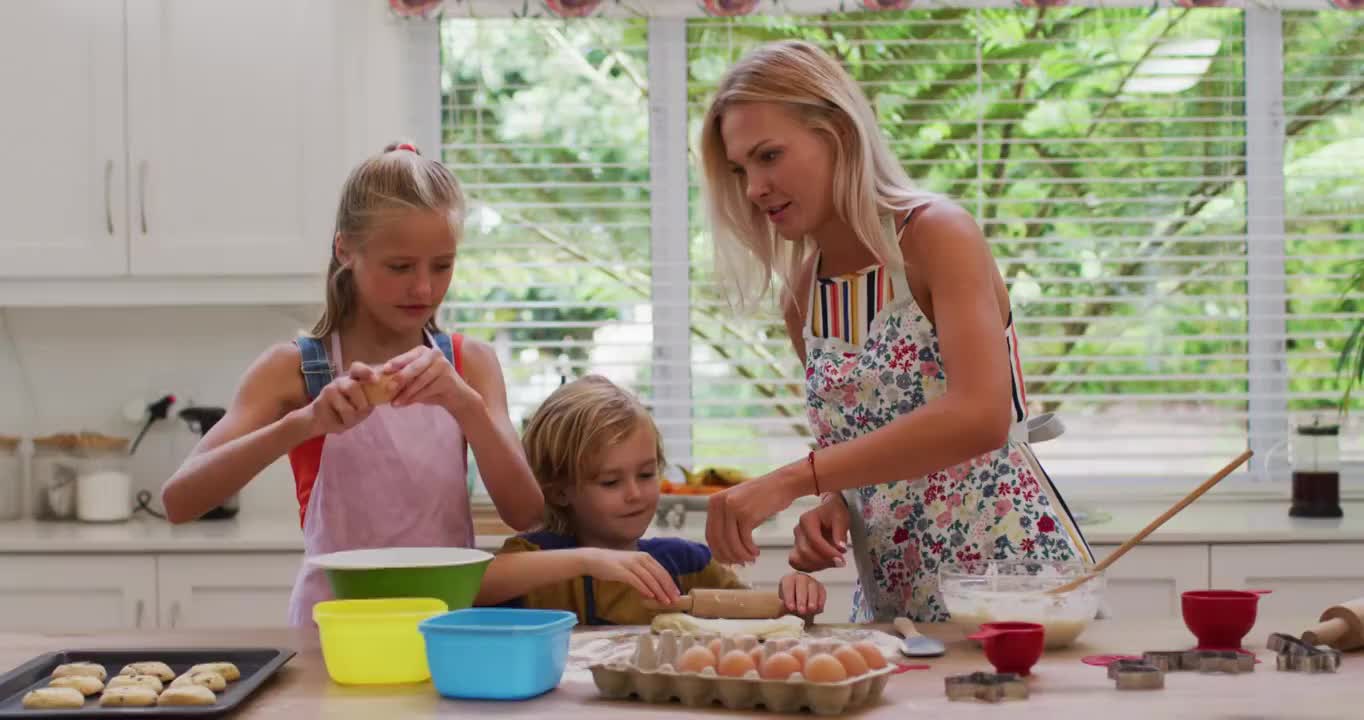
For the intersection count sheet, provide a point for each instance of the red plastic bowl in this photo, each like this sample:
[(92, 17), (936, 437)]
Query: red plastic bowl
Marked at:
[(1012, 647), (1220, 618)]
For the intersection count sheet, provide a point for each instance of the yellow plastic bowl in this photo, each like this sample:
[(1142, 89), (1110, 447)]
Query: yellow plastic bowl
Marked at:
[(375, 641)]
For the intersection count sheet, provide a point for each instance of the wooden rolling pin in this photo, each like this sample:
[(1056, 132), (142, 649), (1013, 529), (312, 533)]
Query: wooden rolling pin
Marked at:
[(1341, 627), (731, 604)]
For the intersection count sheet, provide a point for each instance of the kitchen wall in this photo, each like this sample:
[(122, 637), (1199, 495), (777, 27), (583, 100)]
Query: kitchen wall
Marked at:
[(74, 369)]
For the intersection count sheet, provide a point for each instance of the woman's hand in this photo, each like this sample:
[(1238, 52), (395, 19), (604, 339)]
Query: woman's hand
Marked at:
[(821, 536), (732, 514), (425, 376)]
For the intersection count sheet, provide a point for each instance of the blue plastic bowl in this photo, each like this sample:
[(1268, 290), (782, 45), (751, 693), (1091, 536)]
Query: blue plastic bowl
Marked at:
[(497, 653)]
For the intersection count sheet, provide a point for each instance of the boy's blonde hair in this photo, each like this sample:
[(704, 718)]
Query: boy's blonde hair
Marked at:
[(868, 181), (397, 180), (566, 437)]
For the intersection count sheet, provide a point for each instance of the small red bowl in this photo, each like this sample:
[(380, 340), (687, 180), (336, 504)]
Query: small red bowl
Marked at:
[(1012, 647), (1220, 618)]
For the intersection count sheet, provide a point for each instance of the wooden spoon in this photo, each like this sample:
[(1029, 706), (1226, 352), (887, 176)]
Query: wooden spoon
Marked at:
[(1132, 542)]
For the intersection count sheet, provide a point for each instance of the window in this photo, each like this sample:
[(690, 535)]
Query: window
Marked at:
[(1180, 275)]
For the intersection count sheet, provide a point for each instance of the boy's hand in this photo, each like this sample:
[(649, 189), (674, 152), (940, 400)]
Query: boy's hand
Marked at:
[(637, 569), (802, 594)]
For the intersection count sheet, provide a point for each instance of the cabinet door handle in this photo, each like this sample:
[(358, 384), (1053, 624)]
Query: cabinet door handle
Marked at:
[(108, 203), (141, 605), (175, 614), (142, 193)]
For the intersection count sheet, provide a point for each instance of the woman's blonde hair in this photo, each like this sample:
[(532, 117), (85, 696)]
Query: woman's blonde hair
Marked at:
[(397, 180), (868, 182), (571, 430)]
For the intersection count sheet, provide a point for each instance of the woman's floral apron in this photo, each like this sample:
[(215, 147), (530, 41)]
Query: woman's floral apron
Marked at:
[(998, 505)]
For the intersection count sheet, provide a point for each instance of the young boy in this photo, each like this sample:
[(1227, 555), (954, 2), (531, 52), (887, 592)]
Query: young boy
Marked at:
[(596, 453)]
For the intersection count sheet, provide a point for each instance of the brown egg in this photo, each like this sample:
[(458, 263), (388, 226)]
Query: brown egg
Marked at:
[(823, 668), (800, 654), (871, 654), (696, 659), (757, 655), (852, 660), (780, 666), (735, 663), (717, 647)]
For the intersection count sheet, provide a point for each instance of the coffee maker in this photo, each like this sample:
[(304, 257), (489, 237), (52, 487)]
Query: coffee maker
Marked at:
[(201, 419)]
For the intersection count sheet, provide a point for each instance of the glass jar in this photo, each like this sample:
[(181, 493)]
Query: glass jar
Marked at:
[(11, 487), (52, 477), (1316, 471), (104, 490)]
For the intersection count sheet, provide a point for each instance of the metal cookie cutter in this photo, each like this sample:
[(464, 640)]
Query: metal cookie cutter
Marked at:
[(1225, 661), (1296, 655), (989, 687), (1165, 660), (1136, 675)]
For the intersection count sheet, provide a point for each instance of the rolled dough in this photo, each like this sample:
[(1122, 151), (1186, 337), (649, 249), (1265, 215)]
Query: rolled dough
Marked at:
[(787, 626)]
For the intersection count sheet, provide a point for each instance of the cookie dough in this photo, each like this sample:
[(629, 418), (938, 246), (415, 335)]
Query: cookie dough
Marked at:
[(54, 698), (229, 671), (187, 695), (80, 668), (787, 626), (151, 682), (86, 684), (128, 696), (211, 680), (161, 670)]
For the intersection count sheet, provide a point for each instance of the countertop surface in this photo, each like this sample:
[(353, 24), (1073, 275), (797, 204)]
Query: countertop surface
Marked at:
[(1208, 521), (1061, 686)]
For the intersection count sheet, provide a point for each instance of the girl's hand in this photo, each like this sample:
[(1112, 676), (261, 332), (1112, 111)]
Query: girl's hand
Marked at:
[(342, 404), (821, 536), (802, 594), (425, 376), (637, 569)]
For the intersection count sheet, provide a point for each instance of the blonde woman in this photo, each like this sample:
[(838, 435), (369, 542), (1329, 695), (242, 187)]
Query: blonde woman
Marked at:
[(894, 304), (377, 407)]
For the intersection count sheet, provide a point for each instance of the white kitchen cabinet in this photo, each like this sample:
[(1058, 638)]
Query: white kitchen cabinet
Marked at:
[(62, 179), (1148, 580), (236, 135), (225, 590), (1305, 578), (77, 593)]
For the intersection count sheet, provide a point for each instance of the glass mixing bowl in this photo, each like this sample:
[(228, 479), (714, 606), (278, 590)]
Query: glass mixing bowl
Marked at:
[(981, 591)]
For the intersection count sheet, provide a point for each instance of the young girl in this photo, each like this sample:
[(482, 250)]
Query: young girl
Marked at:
[(597, 455), (376, 407), (894, 304)]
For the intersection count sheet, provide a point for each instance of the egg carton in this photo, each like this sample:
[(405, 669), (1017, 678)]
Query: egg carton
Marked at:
[(651, 676)]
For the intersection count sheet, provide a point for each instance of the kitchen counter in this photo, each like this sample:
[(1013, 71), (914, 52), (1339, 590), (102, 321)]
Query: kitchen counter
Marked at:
[(1061, 686), (1209, 521)]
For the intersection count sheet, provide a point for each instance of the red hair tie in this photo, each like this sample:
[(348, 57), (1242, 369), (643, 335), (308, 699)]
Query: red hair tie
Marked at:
[(406, 146)]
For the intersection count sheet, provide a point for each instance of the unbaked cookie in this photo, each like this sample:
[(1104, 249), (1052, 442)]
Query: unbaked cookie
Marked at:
[(128, 696), (229, 671), (187, 695), (86, 684), (161, 670), (151, 682), (80, 668), (54, 698), (211, 680)]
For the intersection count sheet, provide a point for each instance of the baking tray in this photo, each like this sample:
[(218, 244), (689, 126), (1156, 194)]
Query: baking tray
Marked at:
[(256, 666)]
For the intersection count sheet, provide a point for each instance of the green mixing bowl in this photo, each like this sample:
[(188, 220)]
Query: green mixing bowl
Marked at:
[(449, 574)]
